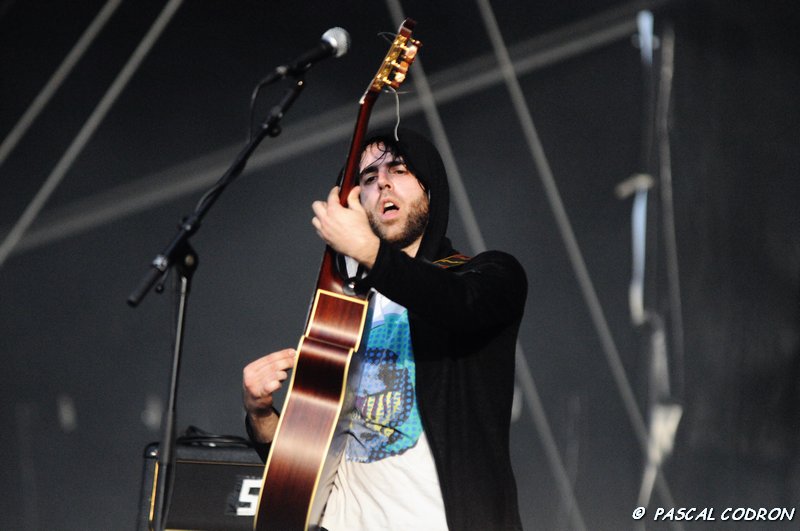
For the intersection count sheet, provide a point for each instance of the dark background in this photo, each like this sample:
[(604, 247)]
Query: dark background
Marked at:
[(85, 377)]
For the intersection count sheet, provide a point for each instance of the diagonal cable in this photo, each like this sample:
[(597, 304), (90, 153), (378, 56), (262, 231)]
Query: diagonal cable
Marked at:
[(667, 206), (428, 104), (570, 241), (86, 132), (322, 130), (61, 73), (478, 244)]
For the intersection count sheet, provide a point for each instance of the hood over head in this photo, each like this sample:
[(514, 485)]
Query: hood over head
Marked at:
[(423, 160)]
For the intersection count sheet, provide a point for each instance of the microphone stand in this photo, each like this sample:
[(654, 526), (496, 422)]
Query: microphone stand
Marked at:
[(178, 254)]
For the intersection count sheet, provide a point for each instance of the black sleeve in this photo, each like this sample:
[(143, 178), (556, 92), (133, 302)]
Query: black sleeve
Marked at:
[(488, 291), (262, 449)]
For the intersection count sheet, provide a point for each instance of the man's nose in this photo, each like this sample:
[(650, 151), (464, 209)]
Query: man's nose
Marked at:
[(383, 179)]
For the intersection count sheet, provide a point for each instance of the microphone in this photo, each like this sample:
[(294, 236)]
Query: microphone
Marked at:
[(334, 42)]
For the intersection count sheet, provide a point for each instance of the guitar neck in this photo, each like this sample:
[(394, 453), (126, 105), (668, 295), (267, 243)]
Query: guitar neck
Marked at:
[(348, 178), (296, 479)]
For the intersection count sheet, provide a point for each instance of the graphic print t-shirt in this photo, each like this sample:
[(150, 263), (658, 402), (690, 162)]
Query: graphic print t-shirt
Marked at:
[(387, 478), (386, 420)]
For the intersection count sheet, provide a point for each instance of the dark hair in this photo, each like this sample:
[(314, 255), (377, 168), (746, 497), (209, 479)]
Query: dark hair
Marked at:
[(391, 146), (422, 159)]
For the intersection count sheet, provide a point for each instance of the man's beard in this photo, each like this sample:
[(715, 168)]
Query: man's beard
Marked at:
[(416, 222)]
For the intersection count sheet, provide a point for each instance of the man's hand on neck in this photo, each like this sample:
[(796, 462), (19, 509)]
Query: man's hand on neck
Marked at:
[(346, 230)]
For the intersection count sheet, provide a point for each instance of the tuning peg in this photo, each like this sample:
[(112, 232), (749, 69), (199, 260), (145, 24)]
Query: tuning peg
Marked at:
[(401, 67), (411, 51)]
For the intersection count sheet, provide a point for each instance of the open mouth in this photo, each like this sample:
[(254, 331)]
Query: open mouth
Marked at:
[(390, 209)]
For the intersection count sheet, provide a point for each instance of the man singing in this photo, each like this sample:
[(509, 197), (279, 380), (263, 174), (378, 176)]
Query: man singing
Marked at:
[(427, 445)]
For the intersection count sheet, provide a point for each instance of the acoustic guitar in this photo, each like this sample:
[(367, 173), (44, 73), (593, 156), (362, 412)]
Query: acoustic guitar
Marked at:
[(307, 447)]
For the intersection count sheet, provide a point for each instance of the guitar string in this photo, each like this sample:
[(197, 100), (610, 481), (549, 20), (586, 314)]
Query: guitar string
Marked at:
[(397, 111), (397, 94), (388, 36)]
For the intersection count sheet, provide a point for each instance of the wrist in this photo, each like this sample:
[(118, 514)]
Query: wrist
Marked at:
[(263, 424)]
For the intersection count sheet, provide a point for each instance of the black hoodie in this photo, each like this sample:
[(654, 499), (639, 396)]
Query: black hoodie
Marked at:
[(423, 160), (464, 322)]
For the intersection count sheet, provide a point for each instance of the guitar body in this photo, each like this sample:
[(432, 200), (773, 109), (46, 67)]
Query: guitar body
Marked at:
[(300, 451), (308, 444)]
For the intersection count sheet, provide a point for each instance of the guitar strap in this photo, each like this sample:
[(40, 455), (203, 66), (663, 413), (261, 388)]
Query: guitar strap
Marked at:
[(452, 261)]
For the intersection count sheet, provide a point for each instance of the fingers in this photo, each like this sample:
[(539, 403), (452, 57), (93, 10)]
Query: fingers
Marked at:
[(264, 376), (323, 210), (320, 209), (343, 228), (272, 363), (354, 199), (333, 196)]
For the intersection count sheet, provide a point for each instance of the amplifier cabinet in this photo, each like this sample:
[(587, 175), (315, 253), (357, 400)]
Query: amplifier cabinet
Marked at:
[(214, 489)]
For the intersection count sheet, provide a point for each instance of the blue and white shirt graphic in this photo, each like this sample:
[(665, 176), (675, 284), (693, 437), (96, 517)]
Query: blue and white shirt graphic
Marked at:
[(386, 420)]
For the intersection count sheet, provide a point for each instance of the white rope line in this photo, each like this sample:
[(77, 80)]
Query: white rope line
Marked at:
[(548, 440), (52, 85), (86, 132), (434, 120), (568, 236), (315, 133), (478, 244), (665, 176)]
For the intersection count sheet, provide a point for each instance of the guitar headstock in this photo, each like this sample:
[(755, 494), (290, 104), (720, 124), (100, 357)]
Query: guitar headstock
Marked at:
[(395, 65), (392, 73)]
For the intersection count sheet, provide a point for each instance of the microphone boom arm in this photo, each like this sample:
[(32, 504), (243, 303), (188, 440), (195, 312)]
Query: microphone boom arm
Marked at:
[(179, 255)]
